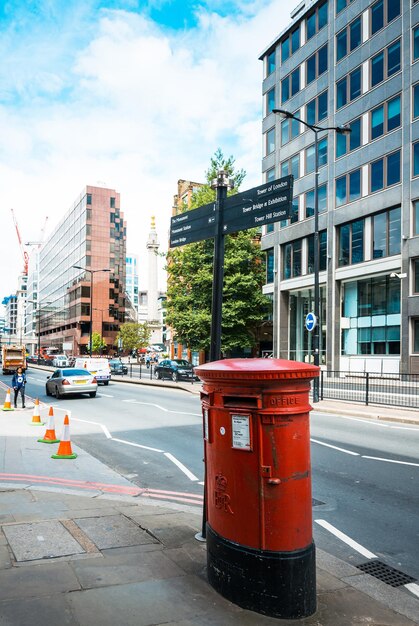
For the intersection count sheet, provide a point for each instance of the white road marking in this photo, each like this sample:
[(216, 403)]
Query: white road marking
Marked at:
[(201, 483), (350, 542), (162, 408), (376, 458), (136, 445), (372, 422), (413, 587), (102, 426), (106, 395), (328, 445), (181, 466)]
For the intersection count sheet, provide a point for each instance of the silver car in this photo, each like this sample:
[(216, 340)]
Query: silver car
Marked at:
[(64, 382)]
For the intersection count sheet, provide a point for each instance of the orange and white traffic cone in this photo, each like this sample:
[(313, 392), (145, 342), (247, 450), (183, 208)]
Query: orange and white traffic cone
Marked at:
[(50, 436), (36, 419), (64, 449), (7, 406)]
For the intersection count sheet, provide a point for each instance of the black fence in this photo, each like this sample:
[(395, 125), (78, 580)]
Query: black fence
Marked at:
[(369, 388)]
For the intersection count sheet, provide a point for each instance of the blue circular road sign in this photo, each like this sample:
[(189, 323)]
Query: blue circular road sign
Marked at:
[(311, 321)]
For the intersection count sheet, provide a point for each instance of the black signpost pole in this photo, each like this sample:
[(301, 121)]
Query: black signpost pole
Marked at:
[(221, 185)]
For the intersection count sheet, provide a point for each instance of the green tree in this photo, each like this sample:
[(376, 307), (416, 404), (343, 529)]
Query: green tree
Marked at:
[(98, 343), (134, 336), (190, 277)]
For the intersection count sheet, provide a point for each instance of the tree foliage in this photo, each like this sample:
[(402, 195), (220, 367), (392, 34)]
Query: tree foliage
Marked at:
[(134, 336), (98, 343), (190, 278)]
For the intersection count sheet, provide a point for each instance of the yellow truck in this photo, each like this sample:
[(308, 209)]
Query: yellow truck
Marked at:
[(12, 358)]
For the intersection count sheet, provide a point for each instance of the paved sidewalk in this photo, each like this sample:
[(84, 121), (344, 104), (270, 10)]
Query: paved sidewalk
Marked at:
[(82, 545)]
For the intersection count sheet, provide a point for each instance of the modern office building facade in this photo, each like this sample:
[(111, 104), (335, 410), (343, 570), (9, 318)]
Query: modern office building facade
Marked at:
[(92, 235), (131, 284), (356, 63)]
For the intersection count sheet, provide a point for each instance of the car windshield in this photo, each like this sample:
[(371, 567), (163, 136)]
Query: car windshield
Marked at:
[(74, 372), (116, 362), (182, 363)]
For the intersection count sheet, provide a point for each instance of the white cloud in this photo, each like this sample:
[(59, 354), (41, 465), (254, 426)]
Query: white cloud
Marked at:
[(145, 108)]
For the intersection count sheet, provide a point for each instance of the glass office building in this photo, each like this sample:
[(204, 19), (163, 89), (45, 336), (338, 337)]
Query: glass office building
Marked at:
[(356, 63), (92, 235)]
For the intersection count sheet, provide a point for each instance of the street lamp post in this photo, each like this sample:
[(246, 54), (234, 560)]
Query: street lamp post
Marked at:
[(38, 311), (317, 313), (101, 329), (79, 267)]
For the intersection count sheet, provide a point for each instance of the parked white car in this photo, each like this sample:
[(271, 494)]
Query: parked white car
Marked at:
[(98, 367), (60, 360)]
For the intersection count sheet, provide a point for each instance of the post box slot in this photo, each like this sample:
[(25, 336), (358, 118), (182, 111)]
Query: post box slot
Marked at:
[(247, 402)]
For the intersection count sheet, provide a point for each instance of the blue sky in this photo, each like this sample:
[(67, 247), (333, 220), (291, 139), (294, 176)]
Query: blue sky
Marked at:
[(127, 93)]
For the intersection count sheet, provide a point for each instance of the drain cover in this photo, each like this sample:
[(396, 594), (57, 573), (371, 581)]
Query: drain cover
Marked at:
[(315, 502), (385, 573)]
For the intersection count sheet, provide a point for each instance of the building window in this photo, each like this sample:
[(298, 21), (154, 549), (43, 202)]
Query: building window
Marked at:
[(89, 198), (270, 228), (322, 200), (385, 172), (112, 203), (416, 100), (416, 159), (416, 276), (348, 88), (285, 89), (416, 217), (285, 49), (345, 142), (292, 259), (290, 129), (342, 4), (291, 166), (311, 157), (270, 141), (351, 243), (416, 336), (295, 39), (295, 81), (386, 233), (385, 117), (270, 175), (316, 20), (322, 252), (348, 39), (316, 109), (382, 13), (385, 63), (271, 63), (270, 265), (316, 64), (416, 43), (348, 188), (270, 101)]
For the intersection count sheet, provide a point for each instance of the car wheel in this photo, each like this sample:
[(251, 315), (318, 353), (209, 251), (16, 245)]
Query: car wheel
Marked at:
[(106, 383), (92, 394), (57, 393), (47, 391), (175, 377), (157, 375)]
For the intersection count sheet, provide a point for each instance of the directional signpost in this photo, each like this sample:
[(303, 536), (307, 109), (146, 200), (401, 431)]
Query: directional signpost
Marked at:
[(256, 207)]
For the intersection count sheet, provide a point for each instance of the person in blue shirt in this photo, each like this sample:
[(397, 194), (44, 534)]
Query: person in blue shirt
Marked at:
[(18, 384)]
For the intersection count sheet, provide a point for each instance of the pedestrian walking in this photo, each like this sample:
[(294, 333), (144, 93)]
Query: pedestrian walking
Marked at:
[(147, 360), (18, 384)]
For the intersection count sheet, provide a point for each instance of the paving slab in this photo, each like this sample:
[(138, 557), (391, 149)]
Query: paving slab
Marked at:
[(38, 580), (41, 540), (113, 531), (52, 610)]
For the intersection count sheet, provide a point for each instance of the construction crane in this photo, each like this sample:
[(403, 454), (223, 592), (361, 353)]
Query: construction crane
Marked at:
[(41, 238), (22, 249)]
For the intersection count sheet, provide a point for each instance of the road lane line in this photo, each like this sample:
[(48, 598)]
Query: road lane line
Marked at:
[(162, 408), (106, 395), (136, 445), (328, 445), (102, 426), (350, 542), (413, 588), (376, 458), (371, 422), (181, 466)]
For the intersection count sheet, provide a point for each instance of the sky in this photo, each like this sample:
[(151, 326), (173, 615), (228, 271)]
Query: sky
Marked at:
[(128, 94)]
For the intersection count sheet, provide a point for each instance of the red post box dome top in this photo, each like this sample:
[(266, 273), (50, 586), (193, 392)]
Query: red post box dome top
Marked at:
[(256, 369)]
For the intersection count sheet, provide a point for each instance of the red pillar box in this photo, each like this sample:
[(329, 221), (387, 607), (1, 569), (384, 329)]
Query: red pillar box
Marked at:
[(260, 549)]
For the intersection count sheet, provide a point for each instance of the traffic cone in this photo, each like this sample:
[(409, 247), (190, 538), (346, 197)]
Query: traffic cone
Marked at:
[(36, 419), (50, 436), (7, 406), (64, 449)]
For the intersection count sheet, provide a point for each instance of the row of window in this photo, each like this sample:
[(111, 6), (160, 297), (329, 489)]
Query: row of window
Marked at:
[(381, 13)]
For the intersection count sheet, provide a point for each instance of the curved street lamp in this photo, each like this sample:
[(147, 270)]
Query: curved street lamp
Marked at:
[(341, 130)]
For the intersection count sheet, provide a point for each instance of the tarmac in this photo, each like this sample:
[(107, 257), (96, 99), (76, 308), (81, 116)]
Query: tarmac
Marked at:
[(82, 545)]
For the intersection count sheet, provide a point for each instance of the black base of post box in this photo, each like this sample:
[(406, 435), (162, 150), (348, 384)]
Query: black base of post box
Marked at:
[(278, 584)]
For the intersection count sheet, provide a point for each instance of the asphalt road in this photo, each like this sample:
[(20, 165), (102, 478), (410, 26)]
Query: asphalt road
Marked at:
[(365, 473)]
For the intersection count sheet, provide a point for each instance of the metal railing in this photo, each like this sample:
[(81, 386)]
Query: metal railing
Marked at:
[(369, 388)]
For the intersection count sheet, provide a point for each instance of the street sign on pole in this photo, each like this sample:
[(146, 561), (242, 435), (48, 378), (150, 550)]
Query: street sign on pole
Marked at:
[(311, 321)]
